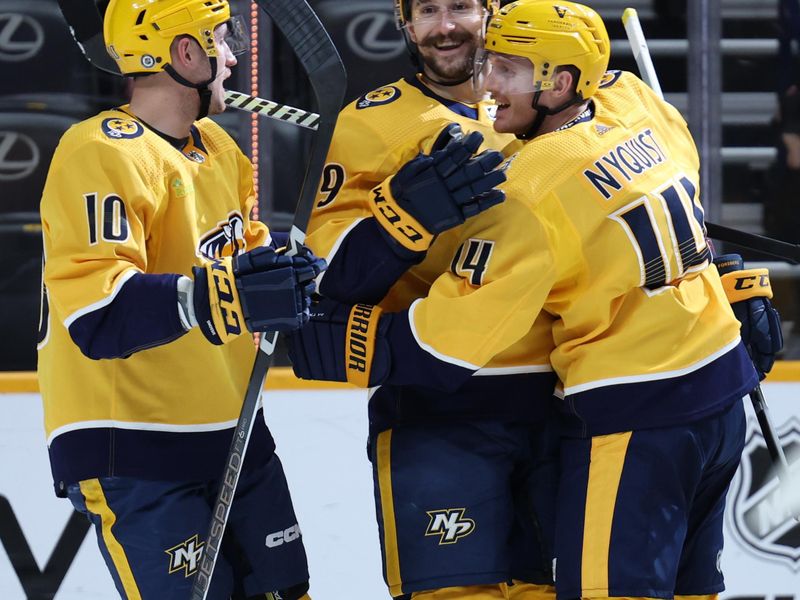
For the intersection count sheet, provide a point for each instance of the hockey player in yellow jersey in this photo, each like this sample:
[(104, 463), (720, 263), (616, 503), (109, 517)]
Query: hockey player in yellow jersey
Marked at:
[(602, 229), (464, 488), (154, 274)]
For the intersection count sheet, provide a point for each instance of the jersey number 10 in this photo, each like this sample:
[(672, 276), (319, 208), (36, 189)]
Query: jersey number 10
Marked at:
[(113, 218)]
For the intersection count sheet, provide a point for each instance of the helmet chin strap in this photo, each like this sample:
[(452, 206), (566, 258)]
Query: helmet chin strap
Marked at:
[(542, 112), (202, 88)]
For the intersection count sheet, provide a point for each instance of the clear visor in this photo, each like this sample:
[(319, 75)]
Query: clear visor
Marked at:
[(506, 74), (233, 33), (427, 14)]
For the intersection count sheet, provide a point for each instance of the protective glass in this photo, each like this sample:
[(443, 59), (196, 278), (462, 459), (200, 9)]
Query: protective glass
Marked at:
[(235, 35), (505, 73), (427, 14)]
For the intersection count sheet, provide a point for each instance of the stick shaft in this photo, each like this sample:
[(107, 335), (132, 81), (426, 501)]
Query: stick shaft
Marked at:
[(272, 109), (641, 53)]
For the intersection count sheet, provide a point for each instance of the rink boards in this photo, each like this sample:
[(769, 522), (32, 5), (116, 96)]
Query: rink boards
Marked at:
[(320, 430)]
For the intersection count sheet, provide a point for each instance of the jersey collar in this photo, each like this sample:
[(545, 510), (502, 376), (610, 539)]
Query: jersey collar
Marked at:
[(465, 110)]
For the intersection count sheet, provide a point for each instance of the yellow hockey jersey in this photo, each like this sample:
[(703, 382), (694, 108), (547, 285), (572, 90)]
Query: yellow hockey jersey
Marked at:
[(125, 212), (375, 136), (602, 229)]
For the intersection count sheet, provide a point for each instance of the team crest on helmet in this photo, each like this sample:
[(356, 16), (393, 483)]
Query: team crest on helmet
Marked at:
[(119, 129), (227, 238), (383, 95), (760, 515)]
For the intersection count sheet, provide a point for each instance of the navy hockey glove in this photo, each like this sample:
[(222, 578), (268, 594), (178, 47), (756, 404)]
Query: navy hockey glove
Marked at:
[(262, 290), (436, 192), (341, 343), (748, 291)]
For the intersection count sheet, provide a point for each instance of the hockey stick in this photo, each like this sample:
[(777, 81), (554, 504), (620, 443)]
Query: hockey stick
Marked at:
[(86, 26), (272, 109), (778, 248), (325, 71), (641, 53)]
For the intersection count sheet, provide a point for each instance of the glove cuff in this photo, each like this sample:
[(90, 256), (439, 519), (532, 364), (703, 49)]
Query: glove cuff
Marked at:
[(404, 228), (746, 284), (362, 329), (216, 301)]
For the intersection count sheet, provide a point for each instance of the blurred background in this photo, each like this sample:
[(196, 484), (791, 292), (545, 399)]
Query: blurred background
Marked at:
[(730, 66)]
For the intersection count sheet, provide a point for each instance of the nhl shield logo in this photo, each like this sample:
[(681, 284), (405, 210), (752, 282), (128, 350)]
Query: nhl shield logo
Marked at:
[(760, 516)]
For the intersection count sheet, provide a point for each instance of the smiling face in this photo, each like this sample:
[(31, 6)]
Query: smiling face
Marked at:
[(447, 34), (509, 80)]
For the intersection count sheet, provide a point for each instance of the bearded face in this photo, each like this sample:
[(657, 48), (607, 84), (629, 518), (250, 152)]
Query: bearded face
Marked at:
[(447, 35)]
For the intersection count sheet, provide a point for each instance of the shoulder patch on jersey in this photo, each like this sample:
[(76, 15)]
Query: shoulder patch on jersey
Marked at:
[(609, 79), (122, 128), (226, 239), (383, 95)]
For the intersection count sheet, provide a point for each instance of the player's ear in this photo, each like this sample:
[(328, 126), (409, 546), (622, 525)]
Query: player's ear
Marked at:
[(184, 51), (564, 83), (412, 35)]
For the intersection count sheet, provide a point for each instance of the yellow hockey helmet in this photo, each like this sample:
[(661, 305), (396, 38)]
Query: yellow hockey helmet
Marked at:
[(138, 33), (551, 35)]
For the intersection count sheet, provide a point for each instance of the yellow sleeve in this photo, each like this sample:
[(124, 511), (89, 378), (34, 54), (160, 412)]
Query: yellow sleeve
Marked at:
[(256, 232), (359, 159), (96, 213), (497, 286)]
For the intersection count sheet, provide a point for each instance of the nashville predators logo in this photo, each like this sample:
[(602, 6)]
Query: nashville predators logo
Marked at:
[(194, 155), (449, 524), (186, 556), (227, 238), (609, 78), (119, 129), (383, 95)]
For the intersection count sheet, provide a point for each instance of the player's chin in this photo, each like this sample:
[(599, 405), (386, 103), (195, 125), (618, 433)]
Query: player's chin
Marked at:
[(502, 127), (217, 108), (503, 122), (217, 104)]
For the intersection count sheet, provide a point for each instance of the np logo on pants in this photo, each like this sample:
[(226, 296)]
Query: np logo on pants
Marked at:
[(449, 524), (185, 556)]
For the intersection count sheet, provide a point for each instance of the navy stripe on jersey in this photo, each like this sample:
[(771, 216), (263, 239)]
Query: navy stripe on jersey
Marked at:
[(160, 455), (366, 265), (144, 314), (457, 107), (661, 403), (197, 139), (519, 398)]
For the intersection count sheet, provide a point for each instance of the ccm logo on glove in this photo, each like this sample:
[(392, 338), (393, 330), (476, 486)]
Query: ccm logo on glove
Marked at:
[(227, 296), (390, 215), (746, 284)]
